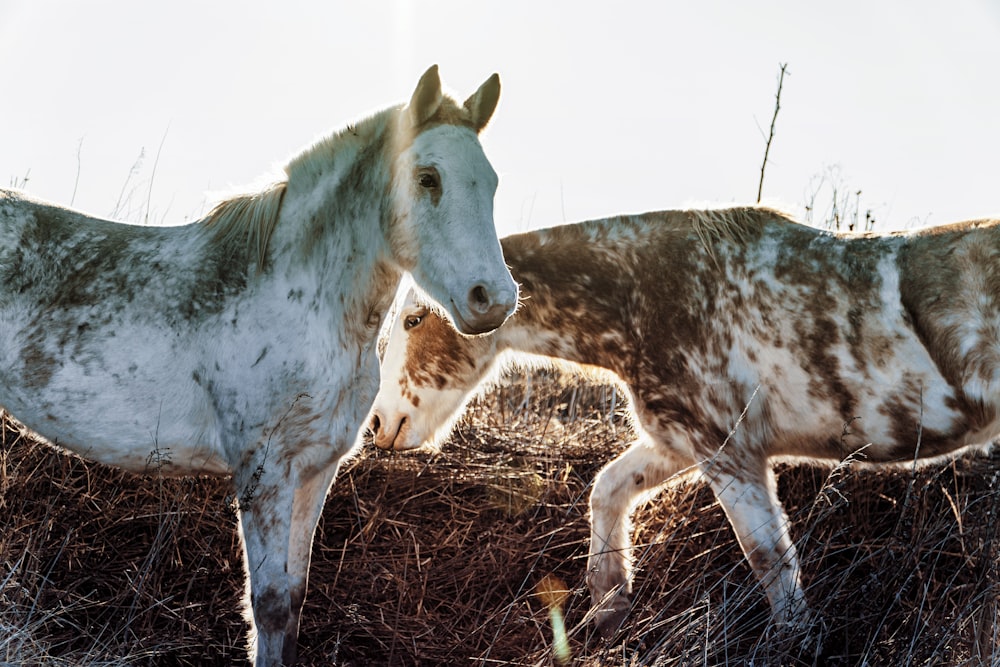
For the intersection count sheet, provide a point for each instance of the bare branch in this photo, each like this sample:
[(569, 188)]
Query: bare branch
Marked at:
[(770, 136)]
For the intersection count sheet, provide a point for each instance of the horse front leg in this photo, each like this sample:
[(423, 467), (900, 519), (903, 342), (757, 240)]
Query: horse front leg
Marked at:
[(310, 497), (618, 487), (265, 527), (278, 517), (747, 492)]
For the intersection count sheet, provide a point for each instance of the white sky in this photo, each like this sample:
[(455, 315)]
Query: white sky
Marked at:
[(606, 107)]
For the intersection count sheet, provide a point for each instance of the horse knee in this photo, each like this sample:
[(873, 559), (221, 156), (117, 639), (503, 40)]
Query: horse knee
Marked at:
[(613, 491), (271, 611), (600, 493), (641, 468)]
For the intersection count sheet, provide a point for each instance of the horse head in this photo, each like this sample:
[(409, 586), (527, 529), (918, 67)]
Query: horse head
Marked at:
[(443, 188), (427, 364)]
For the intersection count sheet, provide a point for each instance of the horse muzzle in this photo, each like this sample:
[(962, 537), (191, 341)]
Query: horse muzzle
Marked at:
[(484, 309), (390, 434)]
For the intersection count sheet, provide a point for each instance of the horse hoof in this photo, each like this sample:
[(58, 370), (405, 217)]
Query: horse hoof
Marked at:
[(805, 635), (608, 619)]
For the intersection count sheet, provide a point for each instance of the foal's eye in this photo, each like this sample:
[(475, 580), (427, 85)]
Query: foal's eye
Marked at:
[(411, 321), (428, 179)]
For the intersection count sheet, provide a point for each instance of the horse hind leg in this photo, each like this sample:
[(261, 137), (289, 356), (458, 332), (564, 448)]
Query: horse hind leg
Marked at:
[(644, 466)]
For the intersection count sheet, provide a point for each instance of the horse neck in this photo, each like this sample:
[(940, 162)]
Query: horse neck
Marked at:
[(330, 242), (608, 293), (570, 298)]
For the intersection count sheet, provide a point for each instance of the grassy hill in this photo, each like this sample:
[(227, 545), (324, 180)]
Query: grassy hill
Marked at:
[(433, 558)]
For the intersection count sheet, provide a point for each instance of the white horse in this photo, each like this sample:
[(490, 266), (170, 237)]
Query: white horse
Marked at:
[(741, 336), (244, 344)]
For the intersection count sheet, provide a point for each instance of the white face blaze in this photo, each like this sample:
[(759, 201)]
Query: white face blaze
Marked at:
[(422, 394), (444, 197)]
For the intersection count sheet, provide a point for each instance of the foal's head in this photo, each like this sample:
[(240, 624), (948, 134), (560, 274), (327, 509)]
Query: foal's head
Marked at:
[(428, 373), (443, 188)]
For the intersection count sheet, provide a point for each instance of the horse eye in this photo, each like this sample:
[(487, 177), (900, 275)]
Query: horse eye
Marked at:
[(428, 180), (412, 321)]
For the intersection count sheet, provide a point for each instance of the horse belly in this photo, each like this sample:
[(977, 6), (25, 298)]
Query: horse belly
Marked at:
[(124, 401), (118, 430), (897, 409)]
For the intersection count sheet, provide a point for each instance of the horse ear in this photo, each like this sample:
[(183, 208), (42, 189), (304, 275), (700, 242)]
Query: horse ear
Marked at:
[(426, 98), (482, 103)]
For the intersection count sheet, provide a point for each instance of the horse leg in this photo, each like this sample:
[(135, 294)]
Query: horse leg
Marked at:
[(644, 466), (308, 503), (747, 492), (276, 593)]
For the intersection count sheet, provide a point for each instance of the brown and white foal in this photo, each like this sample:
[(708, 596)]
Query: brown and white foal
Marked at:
[(825, 344)]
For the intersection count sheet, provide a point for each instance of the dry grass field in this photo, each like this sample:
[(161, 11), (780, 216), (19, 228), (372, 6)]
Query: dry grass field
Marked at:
[(434, 558)]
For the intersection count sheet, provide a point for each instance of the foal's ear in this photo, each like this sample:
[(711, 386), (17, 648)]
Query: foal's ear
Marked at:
[(426, 98), (482, 103)]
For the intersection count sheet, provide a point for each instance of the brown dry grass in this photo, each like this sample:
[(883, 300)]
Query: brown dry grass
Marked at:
[(433, 558)]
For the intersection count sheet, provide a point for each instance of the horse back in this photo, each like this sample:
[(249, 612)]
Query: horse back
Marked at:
[(829, 342), (60, 261)]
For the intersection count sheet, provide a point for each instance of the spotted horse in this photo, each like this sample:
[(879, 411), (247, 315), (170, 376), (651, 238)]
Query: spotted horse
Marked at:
[(741, 336), (244, 344)]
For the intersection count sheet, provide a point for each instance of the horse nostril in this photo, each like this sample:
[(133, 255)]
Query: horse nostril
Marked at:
[(376, 424), (479, 299)]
